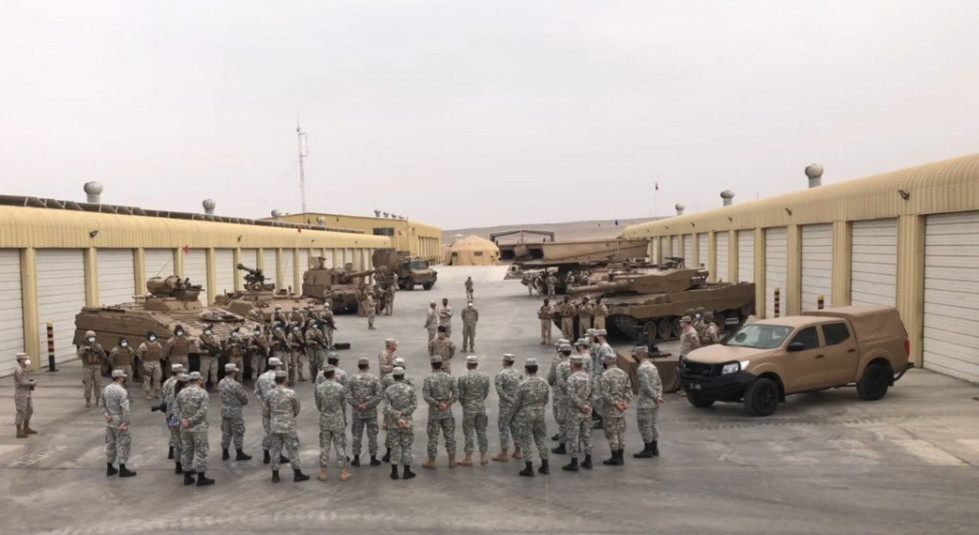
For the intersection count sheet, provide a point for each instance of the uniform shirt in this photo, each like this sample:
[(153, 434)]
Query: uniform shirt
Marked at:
[(233, 397), (150, 351), (385, 362), (208, 345), (712, 335), (579, 389), (586, 310), (601, 310), (364, 389), (22, 382), (264, 384), (177, 346), (470, 316), (552, 372), (688, 341), (191, 405), (339, 376), (442, 347), (331, 402), (388, 380), (91, 355), (445, 315), (167, 393), (440, 387), (507, 382), (561, 383), (586, 362), (473, 389), (532, 396), (650, 385), (315, 338), (283, 406), (115, 405), (545, 312), (235, 347), (121, 356), (432, 318), (568, 310), (259, 345), (400, 403), (615, 387)]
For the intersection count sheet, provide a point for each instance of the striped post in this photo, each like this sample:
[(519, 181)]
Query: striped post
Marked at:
[(777, 307), (820, 302), (50, 329)]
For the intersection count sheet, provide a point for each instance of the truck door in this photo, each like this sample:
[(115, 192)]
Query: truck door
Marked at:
[(805, 369), (842, 354)]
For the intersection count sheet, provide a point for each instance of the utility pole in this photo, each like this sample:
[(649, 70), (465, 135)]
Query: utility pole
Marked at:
[(303, 153)]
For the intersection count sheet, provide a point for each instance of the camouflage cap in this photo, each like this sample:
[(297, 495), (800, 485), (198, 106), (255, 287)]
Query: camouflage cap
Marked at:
[(398, 371), (436, 360), (89, 334), (390, 341), (640, 350), (530, 362), (363, 362), (230, 367), (274, 361), (183, 377), (399, 362), (582, 342), (329, 368), (685, 319), (177, 368), (591, 332), (609, 358), (472, 359), (577, 359), (561, 341), (22, 356), (332, 355), (564, 347), (509, 357), (195, 376), (118, 373), (280, 374)]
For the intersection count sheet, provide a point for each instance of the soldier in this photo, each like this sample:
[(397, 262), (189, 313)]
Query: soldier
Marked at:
[(441, 346), (699, 324), (122, 357), (297, 354), (650, 398), (260, 351), (552, 382), (115, 408), (585, 312), (236, 349), (316, 347), (331, 403), (169, 405), (333, 359), (529, 406), (600, 312), (93, 357), (578, 413), (169, 394), (602, 352), (545, 313), (264, 385), (400, 404), (616, 392), (473, 389), (386, 382), (364, 394), (150, 352), (557, 377), (469, 288), (440, 391), (582, 345), (178, 348), (233, 399), (311, 314), (328, 322), (431, 321), (389, 294), (371, 308), (385, 359), (209, 349), (296, 316), (551, 282), (568, 311), (445, 316), (191, 409), (24, 385), (712, 334), (688, 339), (507, 381), (470, 316), (282, 405), (278, 316)]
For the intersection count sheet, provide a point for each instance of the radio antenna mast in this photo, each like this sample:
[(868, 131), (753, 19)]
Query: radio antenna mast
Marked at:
[(303, 153)]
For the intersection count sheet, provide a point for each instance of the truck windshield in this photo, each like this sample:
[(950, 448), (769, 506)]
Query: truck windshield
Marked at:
[(760, 336), (418, 264)]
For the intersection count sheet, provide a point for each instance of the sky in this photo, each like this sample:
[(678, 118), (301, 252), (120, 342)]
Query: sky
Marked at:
[(464, 113)]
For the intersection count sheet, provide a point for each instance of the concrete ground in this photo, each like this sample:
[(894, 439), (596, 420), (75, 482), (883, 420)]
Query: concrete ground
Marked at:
[(824, 463)]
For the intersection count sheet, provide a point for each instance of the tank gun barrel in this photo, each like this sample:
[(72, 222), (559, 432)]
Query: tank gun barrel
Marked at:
[(254, 275), (599, 287)]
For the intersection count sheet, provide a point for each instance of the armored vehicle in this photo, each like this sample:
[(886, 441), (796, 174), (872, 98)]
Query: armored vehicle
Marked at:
[(410, 272), (576, 256), (260, 299), (340, 286), (651, 301)]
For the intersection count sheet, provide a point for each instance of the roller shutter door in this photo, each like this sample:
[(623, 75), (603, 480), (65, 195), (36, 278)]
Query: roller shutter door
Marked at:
[(951, 295), (329, 255), (60, 295), (776, 264), (224, 271), (702, 243), (11, 310), (303, 261), (873, 271), (159, 263), (746, 256), (817, 265), (688, 250), (195, 267), (288, 277), (117, 276), (675, 246), (661, 251), (248, 257), (722, 256)]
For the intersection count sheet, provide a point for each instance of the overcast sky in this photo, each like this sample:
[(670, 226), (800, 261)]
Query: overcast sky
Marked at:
[(465, 113)]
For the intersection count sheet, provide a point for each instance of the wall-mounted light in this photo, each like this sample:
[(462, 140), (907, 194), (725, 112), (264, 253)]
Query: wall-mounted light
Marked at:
[(904, 194), (730, 219), (692, 224), (93, 233), (239, 238), (788, 211)]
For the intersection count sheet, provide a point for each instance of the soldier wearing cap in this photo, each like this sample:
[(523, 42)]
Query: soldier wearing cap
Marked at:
[(209, 349), (577, 420), (581, 345), (281, 348), (532, 397), (442, 347), (296, 316), (168, 396), (585, 312), (616, 393), (121, 357), (650, 398), (331, 403), (469, 288), (371, 310), (340, 376), (688, 339), (364, 394), (431, 321), (440, 391), (23, 387), (559, 398), (712, 333), (150, 353), (296, 364), (93, 357), (470, 316), (545, 314), (236, 349), (386, 382), (328, 324), (600, 311), (568, 312), (316, 348), (173, 419), (474, 388), (233, 399), (192, 403), (385, 359), (115, 408), (507, 381), (602, 351), (260, 351), (264, 385), (400, 404), (445, 316), (283, 408), (178, 347)]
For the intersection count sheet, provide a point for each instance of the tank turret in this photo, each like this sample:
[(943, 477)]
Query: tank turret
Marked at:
[(645, 282)]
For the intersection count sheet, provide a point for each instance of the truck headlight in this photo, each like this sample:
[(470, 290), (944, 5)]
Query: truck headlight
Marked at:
[(734, 367)]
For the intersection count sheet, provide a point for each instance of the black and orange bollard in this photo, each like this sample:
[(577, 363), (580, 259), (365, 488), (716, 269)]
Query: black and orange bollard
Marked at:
[(51, 367), (777, 307), (820, 302)]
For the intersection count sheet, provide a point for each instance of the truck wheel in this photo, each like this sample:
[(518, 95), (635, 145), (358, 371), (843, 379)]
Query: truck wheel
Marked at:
[(699, 400), (761, 398), (664, 329), (875, 381), (676, 327), (428, 285)]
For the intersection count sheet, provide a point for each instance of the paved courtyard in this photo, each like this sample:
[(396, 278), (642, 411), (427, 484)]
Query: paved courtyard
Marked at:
[(824, 463)]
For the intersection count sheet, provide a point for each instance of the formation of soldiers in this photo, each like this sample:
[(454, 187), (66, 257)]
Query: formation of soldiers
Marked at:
[(589, 315)]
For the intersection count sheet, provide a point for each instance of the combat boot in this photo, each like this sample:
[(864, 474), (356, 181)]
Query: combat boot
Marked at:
[(468, 461), (356, 461), (170, 453), (345, 475), (572, 466), (125, 472), (544, 468), (88, 403), (283, 460), (620, 458), (586, 464), (528, 470), (298, 476), (188, 477), (502, 457), (178, 469), (322, 476), (516, 452), (646, 453), (374, 461), (203, 481), (483, 460), (20, 431), (654, 445), (452, 460), (27, 428), (430, 464), (394, 472), (611, 460), (387, 456), (408, 474), (110, 470), (266, 458), (275, 476), (556, 437), (241, 456), (560, 449), (224, 454)]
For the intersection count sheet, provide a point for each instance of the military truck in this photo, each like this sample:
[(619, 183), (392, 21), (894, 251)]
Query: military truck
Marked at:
[(341, 287), (410, 272), (259, 299)]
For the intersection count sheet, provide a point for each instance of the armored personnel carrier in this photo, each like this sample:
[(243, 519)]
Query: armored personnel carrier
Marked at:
[(411, 272), (651, 301), (340, 286), (259, 299)]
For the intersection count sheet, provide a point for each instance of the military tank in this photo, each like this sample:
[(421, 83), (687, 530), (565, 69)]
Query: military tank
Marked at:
[(648, 303), (340, 286), (259, 299)]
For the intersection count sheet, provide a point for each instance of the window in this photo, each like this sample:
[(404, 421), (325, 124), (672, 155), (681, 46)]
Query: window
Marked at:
[(835, 333), (477, 253), (455, 254), (760, 336), (807, 337), (384, 231)]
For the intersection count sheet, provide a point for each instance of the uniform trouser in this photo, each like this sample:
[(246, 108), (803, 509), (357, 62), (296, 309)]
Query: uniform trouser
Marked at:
[(469, 295), (504, 423), (301, 363), (599, 322), (432, 332), (238, 361), (401, 441), (24, 406), (176, 443), (329, 338), (578, 429), (567, 327), (448, 330), (371, 314), (285, 357), (193, 451), (532, 429), (317, 357), (232, 427), (646, 419), (117, 444), (559, 410), (474, 423), (289, 441), (468, 336), (266, 432), (357, 432), (545, 331), (598, 406), (152, 374), (92, 381), (337, 438), (584, 324), (446, 424), (258, 363), (209, 369), (615, 431), (447, 365)]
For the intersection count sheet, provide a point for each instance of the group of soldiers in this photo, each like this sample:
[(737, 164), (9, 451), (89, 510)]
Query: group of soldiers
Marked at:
[(589, 314), (698, 328)]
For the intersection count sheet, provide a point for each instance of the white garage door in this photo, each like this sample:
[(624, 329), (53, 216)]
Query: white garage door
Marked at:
[(117, 276), (702, 246), (776, 268), (224, 271), (746, 256), (288, 277), (661, 249), (11, 319), (675, 246), (61, 295), (722, 256), (195, 267), (817, 265), (688, 250), (328, 254), (303, 261), (873, 272), (159, 263), (248, 257), (952, 295)]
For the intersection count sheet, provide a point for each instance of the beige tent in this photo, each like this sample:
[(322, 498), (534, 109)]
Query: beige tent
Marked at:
[(473, 251)]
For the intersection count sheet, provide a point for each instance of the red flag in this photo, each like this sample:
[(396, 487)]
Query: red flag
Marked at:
[(185, 249)]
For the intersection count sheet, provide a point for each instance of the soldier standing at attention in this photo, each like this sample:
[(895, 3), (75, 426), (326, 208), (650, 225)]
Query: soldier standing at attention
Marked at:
[(173, 420), (331, 403), (507, 381), (315, 347), (601, 311), (469, 318), (260, 351), (578, 418), (169, 394), (115, 408), (473, 390), (431, 321), (545, 313), (445, 317), (389, 294), (385, 359), (440, 391), (283, 408), (582, 345), (92, 356), (469, 288), (688, 339), (386, 382), (557, 398), (296, 316), (209, 349), (400, 405), (529, 406), (23, 387), (371, 312), (616, 394), (602, 351), (122, 357), (280, 348), (328, 322), (233, 399), (442, 347), (264, 385), (340, 376), (192, 404), (585, 312), (178, 348), (235, 349), (150, 352), (568, 311), (650, 398), (551, 282), (297, 356), (364, 394)]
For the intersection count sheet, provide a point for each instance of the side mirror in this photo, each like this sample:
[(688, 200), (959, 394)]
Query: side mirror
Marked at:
[(796, 346)]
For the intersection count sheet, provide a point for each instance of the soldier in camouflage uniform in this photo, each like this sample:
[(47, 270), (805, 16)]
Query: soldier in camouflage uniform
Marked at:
[(93, 357), (557, 396), (601, 351), (507, 381), (340, 376), (474, 388), (316, 348), (329, 324), (568, 312), (442, 347), (282, 406), (150, 353), (178, 348), (582, 345), (233, 399), (260, 351), (545, 314), (470, 316), (23, 387), (532, 396), (297, 316), (236, 349), (297, 355), (263, 385), (371, 309), (585, 312), (400, 403), (616, 393), (469, 288), (209, 349), (115, 408), (578, 416), (364, 394), (192, 404), (331, 403), (281, 348), (440, 391), (601, 311), (650, 398), (122, 357), (169, 395), (385, 359)]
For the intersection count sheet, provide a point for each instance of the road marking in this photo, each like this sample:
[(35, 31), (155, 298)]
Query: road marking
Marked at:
[(929, 453)]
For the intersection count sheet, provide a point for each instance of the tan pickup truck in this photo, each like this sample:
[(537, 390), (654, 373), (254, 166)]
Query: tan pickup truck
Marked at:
[(865, 346)]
